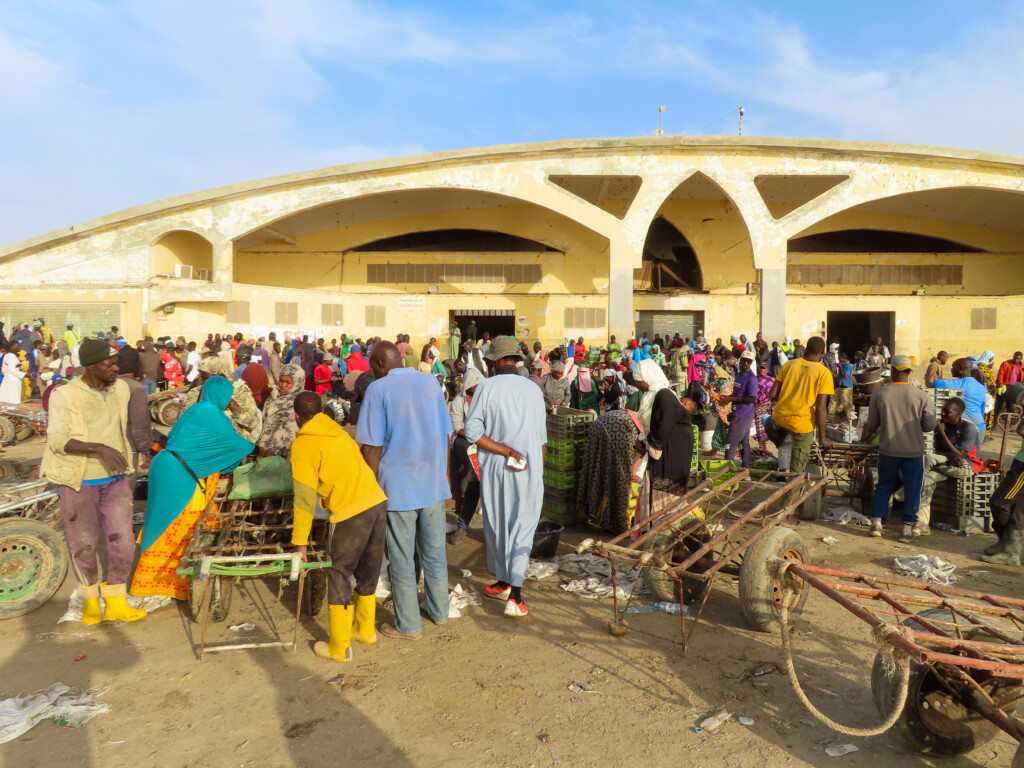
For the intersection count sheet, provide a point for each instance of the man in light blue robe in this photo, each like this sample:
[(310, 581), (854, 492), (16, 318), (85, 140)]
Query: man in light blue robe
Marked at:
[(507, 421)]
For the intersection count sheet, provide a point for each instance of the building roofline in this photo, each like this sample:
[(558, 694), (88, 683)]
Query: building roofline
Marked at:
[(538, 149)]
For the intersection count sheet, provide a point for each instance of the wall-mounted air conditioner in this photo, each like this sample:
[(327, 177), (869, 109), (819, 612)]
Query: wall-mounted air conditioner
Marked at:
[(204, 274), (183, 271)]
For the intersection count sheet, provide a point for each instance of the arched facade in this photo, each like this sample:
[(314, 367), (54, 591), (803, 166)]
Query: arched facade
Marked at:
[(283, 253)]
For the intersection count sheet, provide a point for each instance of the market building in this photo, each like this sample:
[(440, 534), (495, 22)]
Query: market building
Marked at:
[(920, 245)]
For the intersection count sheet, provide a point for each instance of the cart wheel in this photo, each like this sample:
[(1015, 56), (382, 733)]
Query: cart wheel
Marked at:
[(315, 592), (33, 564), (811, 509), (22, 429), (220, 598), (168, 412), (933, 721), (8, 432), (761, 591), (663, 586)]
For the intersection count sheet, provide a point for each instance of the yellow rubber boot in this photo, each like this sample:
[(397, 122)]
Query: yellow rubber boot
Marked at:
[(116, 598), (366, 612), (339, 648), (91, 611)]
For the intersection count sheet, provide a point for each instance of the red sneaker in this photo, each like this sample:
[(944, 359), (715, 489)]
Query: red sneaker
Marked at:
[(516, 609), (497, 592)]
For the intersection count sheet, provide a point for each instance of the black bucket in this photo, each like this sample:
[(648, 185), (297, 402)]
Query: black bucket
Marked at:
[(545, 540)]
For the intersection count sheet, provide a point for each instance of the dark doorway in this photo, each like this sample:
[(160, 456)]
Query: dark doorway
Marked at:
[(669, 262), (497, 322), (856, 330)]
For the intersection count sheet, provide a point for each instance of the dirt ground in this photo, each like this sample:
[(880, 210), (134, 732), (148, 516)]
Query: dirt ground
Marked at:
[(479, 690)]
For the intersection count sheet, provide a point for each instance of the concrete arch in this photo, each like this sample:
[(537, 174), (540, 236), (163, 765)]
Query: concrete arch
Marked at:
[(177, 249)]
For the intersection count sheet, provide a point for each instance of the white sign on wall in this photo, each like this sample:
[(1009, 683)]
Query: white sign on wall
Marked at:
[(412, 303)]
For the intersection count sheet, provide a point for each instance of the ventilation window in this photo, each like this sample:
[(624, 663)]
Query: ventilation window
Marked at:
[(983, 319), (238, 312), (333, 314), (376, 317), (286, 313)]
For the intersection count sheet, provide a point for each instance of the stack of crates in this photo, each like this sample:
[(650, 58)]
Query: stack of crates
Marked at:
[(568, 429), (964, 502)]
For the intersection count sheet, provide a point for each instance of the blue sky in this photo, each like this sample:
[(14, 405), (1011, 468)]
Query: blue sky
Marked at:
[(104, 105)]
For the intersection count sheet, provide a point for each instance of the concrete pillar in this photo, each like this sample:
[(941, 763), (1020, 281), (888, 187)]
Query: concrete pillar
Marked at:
[(620, 303), (223, 262), (773, 304)]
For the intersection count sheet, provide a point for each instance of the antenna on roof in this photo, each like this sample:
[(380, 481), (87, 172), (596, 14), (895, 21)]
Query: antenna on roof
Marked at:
[(742, 111), (659, 131)]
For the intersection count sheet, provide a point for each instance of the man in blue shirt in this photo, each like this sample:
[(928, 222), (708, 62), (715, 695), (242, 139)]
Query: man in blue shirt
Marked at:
[(403, 430), (842, 400), (974, 394)]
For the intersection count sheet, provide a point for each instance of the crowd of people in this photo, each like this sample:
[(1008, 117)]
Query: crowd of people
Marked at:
[(465, 419)]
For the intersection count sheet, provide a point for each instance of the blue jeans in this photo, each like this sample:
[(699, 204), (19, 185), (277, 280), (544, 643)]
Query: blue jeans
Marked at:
[(412, 532), (150, 386), (890, 468)]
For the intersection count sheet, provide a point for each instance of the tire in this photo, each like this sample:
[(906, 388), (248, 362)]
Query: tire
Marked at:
[(932, 722), (760, 593), (33, 564), (336, 410), (220, 598), (168, 412), (8, 432), (23, 429), (315, 592), (662, 586), (811, 509)]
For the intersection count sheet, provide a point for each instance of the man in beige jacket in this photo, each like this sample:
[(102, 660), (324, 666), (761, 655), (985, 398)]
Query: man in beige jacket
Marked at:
[(88, 456)]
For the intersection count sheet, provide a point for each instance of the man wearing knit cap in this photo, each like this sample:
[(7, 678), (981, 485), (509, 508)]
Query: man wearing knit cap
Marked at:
[(88, 456)]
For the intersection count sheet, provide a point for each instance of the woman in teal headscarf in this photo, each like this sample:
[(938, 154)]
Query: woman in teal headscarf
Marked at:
[(182, 480)]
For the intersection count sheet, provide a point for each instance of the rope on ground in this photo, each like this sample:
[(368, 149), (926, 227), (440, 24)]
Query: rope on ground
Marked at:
[(892, 658)]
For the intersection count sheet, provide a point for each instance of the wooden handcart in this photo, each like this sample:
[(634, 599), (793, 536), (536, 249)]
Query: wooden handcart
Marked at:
[(19, 422), (245, 539), (731, 516), (947, 677)]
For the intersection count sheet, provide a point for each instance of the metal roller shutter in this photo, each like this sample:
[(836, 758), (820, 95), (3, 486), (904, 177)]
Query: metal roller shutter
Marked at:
[(669, 323)]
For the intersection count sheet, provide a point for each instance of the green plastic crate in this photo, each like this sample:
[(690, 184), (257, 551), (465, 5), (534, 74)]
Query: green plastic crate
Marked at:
[(559, 478), (565, 453), (563, 512), (714, 466)]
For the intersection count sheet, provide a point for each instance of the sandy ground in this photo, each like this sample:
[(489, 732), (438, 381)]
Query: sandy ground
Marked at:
[(479, 690)]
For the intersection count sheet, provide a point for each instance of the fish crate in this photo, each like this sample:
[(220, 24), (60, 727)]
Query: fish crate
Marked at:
[(569, 424), (562, 512), (558, 478), (966, 496), (565, 454), (939, 396)]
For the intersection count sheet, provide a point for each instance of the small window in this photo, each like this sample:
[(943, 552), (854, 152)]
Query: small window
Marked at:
[(983, 319), (286, 313), (376, 317), (333, 314), (238, 312)]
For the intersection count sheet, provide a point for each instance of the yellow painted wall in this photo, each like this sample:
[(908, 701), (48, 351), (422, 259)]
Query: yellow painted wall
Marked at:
[(719, 237)]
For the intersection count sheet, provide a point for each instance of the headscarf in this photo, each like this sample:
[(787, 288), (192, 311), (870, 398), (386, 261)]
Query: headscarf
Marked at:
[(586, 381), (279, 427), (648, 371), (206, 442), (216, 366), (255, 376), (987, 357)]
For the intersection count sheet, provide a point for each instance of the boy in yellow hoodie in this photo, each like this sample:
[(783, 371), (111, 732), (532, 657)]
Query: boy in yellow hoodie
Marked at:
[(330, 474)]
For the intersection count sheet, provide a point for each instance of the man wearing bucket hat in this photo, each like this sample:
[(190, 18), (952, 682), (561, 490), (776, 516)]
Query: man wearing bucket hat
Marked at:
[(506, 421), (901, 414), (88, 456)]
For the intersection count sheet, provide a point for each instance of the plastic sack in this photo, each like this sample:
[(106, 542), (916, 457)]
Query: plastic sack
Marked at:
[(269, 476)]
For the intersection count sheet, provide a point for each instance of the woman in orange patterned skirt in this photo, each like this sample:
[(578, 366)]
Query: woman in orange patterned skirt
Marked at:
[(182, 482)]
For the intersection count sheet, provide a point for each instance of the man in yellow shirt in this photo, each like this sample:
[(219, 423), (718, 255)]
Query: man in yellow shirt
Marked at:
[(800, 391), (330, 475)]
